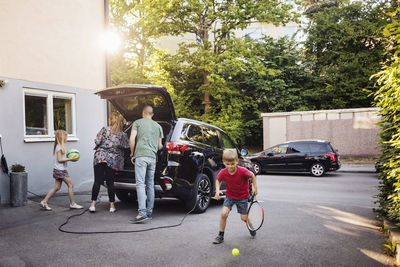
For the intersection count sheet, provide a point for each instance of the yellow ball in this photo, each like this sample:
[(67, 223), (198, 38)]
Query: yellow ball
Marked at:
[(235, 252), (73, 153)]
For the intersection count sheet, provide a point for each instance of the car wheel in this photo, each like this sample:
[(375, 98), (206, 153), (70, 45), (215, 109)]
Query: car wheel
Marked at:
[(256, 168), (125, 196), (317, 169), (201, 195)]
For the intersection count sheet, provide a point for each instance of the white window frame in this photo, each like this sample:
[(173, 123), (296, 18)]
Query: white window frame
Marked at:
[(49, 95)]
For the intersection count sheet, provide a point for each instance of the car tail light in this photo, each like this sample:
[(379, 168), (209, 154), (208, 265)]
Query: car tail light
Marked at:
[(168, 185), (175, 148), (332, 156)]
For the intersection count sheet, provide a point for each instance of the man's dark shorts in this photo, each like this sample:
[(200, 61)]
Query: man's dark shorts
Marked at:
[(241, 204)]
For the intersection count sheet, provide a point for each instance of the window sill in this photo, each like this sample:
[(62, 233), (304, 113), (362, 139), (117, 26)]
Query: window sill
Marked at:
[(37, 139)]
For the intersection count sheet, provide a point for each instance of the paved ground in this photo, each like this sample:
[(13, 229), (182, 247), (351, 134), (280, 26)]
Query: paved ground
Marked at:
[(309, 222), (359, 168)]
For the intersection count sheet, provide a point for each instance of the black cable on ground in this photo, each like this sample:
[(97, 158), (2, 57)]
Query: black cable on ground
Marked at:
[(120, 231), (128, 231), (113, 232)]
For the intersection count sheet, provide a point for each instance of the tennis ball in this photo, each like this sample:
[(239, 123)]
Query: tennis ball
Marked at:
[(235, 252)]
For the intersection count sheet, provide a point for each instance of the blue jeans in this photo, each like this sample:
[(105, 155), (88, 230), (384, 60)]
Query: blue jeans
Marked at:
[(241, 204), (144, 174)]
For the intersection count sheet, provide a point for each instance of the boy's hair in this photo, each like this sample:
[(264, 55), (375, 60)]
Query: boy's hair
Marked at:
[(230, 155), (59, 140)]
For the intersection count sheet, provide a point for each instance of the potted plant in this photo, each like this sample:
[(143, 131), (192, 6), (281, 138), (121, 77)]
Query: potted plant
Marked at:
[(18, 185)]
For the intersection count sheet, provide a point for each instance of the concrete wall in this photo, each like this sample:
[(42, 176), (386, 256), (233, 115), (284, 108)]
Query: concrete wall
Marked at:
[(37, 156), (352, 131), (55, 42)]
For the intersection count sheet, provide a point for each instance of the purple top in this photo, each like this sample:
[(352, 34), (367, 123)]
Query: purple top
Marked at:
[(110, 148)]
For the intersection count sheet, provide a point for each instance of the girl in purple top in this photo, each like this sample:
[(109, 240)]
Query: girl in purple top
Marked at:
[(109, 157)]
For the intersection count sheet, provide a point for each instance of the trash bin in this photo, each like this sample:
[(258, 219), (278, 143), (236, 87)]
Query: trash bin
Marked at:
[(18, 189)]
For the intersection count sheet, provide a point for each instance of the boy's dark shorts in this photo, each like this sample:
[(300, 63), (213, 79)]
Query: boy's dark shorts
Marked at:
[(241, 204)]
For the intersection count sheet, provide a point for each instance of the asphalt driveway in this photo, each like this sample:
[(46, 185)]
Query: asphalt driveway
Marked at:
[(309, 222)]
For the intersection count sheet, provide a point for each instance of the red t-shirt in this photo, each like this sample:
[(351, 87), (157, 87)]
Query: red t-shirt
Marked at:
[(237, 185)]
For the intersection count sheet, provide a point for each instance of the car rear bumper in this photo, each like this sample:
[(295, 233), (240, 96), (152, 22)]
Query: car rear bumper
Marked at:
[(334, 166)]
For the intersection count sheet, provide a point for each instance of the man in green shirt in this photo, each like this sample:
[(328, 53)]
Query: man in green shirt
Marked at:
[(145, 141)]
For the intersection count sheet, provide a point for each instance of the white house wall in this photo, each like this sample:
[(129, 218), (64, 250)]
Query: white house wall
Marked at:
[(54, 42), (37, 156), (51, 45)]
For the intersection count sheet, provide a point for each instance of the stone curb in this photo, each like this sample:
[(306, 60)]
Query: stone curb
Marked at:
[(357, 171), (394, 236)]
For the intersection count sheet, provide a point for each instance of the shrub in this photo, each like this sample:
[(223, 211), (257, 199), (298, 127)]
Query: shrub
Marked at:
[(17, 168)]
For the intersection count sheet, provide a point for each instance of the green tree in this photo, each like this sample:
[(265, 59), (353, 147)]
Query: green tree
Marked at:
[(388, 99), (345, 46), (252, 77), (278, 87), (138, 33), (213, 24)]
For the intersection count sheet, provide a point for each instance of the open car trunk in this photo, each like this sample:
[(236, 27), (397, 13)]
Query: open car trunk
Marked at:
[(129, 100)]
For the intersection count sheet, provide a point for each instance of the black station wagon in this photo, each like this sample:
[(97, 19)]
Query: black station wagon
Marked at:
[(314, 156), (188, 165)]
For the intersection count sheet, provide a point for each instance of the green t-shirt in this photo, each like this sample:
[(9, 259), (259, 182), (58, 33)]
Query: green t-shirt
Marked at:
[(148, 134)]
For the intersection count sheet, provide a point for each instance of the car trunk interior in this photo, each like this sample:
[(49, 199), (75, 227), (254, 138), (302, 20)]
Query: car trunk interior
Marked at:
[(166, 127)]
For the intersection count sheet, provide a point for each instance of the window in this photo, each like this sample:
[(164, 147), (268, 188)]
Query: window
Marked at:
[(192, 133), (226, 141), (298, 148), (47, 111), (318, 147), (211, 137), (277, 149)]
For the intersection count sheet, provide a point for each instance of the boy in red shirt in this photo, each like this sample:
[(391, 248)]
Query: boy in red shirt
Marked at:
[(237, 190)]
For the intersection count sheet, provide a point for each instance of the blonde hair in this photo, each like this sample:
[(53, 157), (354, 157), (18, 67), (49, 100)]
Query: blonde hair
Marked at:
[(59, 139), (230, 155), (116, 123)]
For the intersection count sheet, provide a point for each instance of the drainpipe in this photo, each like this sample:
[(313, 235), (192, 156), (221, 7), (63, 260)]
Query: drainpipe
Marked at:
[(106, 25)]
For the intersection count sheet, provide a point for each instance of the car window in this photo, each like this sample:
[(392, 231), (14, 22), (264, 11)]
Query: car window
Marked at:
[(281, 149), (332, 149), (191, 132), (138, 102), (211, 137), (226, 141), (298, 148), (319, 147)]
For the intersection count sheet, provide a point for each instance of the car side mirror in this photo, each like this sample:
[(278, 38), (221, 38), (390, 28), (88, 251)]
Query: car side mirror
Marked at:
[(244, 152), (270, 154)]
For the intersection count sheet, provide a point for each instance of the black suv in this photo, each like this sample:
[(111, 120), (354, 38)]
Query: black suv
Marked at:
[(314, 156), (188, 165)]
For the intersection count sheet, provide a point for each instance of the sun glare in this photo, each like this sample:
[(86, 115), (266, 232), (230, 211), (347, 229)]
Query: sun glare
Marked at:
[(110, 41)]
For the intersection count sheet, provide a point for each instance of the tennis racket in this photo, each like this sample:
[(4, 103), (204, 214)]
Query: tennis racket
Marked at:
[(255, 215)]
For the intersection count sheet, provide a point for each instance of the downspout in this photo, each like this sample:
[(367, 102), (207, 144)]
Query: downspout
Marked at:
[(106, 25)]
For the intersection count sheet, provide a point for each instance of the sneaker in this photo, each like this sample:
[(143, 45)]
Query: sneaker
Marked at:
[(113, 210), (92, 209), (44, 206), (218, 240), (139, 219), (149, 216), (252, 233), (75, 206)]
